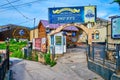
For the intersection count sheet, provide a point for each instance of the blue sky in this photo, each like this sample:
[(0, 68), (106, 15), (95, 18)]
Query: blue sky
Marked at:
[(39, 10)]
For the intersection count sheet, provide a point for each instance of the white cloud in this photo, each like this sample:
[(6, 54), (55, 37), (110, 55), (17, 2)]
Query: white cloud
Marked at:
[(102, 14)]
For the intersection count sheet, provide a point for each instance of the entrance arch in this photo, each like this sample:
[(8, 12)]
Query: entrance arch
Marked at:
[(88, 31)]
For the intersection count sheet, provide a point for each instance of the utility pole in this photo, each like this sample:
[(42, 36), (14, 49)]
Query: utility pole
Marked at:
[(34, 28)]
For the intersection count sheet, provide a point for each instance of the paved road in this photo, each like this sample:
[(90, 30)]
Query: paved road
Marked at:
[(72, 66)]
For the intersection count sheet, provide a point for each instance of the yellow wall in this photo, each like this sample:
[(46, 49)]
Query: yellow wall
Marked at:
[(33, 34), (102, 34), (110, 40), (82, 38)]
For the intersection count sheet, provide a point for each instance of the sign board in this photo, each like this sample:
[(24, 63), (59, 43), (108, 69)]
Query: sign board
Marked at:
[(115, 27), (80, 14), (43, 45), (38, 43)]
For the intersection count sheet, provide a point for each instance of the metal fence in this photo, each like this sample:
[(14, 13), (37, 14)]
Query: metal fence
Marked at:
[(102, 56), (3, 69), (4, 64)]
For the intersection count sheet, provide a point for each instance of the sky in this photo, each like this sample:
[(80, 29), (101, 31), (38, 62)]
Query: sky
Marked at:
[(19, 13)]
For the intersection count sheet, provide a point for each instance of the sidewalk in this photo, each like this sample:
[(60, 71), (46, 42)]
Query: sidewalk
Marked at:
[(29, 70), (69, 67)]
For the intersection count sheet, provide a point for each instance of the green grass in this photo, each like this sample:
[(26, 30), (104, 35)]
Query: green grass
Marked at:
[(15, 48), (2, 46)]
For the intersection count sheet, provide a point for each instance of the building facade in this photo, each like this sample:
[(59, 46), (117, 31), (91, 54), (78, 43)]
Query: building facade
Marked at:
[(14, 31)]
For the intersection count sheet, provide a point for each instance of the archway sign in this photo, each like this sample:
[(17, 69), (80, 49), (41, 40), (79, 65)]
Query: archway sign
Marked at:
[(72, 16)]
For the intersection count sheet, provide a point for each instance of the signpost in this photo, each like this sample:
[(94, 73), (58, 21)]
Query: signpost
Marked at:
[(115, 27), (82, 14)]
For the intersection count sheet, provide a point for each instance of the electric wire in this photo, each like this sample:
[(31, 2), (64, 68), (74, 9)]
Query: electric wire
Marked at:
[(18, 10), (4, 9), (25, 21), (8, 3), (22, 4)]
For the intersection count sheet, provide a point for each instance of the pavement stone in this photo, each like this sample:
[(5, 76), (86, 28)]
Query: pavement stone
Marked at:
[(71, 66)]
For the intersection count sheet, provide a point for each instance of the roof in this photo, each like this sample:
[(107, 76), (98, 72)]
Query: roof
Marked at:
[(13, 26), (55, 26), (101, 19)]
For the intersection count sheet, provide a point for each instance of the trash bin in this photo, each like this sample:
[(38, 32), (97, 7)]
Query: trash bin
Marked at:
[(25, 52)]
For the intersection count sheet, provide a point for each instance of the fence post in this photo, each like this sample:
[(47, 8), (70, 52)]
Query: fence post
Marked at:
[(7, 52), (53, 53), (88, 52), (118, 59), (104, 54), (93, 52), (0, 72)]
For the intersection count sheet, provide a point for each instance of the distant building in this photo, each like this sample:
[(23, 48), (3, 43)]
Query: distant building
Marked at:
[(14, 31), (44, 28), (100, 33)]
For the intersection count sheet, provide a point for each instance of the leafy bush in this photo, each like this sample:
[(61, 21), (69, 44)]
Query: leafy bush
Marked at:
[(2, 46), (52, 63), (36, 57), (48, 59), (15, 48)]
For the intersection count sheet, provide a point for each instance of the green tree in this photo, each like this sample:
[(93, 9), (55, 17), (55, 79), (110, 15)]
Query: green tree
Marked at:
[(116, 1)]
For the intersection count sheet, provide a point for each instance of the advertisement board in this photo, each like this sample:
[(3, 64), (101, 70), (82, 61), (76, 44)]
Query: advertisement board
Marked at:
[(115, 27), (39, 44), (82, 14), (43, 45)]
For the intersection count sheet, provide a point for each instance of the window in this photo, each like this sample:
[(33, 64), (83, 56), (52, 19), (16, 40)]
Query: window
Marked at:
[(97, 35), (58, 40), (92, 36)]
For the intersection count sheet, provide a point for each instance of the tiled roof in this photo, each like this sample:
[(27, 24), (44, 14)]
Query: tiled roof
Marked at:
[(54, 26)]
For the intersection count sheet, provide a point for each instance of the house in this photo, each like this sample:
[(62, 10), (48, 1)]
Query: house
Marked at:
[(44, 28), (14, 31)]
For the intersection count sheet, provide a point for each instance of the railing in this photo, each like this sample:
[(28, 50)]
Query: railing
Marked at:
[(3, 68), (4, 63), (102, 56)]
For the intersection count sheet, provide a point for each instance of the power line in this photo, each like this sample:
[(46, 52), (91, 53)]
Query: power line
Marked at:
[(25, 21), (21, 4), (18, 10), (9, 7), (8, 3)]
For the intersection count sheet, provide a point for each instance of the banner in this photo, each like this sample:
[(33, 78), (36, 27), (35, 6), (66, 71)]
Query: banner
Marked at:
[(81, 14)]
